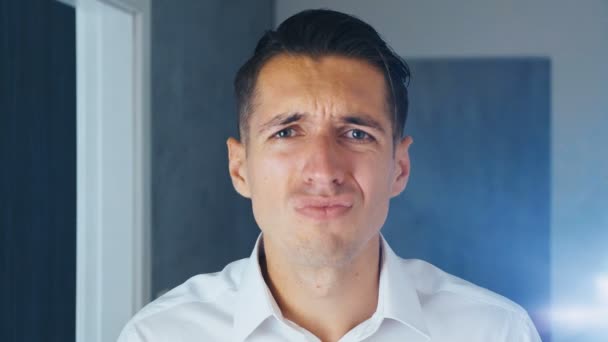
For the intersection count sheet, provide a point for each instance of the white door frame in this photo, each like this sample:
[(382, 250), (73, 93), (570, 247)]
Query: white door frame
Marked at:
[(113, 173)]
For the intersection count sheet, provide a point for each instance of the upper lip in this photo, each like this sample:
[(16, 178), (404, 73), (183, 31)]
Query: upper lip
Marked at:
[(323, 202)]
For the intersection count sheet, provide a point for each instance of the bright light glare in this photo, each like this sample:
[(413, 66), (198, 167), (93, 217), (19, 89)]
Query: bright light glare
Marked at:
[(601, 284), (581, 318)]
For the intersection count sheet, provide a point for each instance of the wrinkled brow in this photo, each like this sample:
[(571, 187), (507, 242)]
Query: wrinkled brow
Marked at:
[(353, 119), (363, 120), (281, 120)]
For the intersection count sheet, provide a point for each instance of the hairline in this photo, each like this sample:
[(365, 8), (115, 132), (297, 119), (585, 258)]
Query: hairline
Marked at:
[(250, 104)]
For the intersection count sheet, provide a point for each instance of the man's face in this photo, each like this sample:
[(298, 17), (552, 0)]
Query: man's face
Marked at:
[(319, 162)]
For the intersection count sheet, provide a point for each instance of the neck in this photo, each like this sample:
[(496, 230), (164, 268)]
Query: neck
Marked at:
[(327, 301)]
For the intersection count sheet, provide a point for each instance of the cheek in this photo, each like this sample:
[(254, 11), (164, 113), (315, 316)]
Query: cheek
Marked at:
[(265, 176), (375, 179), (375, 182), (268, 181)]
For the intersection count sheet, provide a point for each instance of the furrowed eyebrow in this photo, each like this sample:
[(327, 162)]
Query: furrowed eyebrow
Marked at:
[(281, 120), (363, 120)]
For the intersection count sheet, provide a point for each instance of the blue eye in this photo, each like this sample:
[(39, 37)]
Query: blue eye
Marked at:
[(358, 134), (285, 133)]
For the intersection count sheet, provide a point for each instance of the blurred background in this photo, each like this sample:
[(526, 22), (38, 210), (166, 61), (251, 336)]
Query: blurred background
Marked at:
[(509, 185)]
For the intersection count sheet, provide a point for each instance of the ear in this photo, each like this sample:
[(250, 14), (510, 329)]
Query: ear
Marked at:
[(402, 166), (237, 166)]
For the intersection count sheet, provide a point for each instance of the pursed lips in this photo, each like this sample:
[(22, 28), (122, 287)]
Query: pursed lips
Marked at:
[(323, 208)]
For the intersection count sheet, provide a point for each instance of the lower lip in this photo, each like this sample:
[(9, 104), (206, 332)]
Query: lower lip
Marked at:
[(323, 213)]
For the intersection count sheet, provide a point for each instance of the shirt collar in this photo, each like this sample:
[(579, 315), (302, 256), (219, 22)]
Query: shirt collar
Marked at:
[(254, 302), (397, 298)]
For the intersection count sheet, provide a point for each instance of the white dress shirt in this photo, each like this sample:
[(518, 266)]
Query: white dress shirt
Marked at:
[(416, 302)]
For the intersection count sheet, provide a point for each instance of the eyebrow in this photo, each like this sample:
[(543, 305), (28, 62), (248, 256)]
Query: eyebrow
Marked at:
[(281, 120), (363, 120), (354, 119)]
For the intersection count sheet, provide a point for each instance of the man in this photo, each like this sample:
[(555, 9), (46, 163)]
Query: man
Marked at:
[(322, 104)]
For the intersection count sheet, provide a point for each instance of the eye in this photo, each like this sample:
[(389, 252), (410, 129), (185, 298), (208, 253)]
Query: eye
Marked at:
[(357, 134), (285, 133)]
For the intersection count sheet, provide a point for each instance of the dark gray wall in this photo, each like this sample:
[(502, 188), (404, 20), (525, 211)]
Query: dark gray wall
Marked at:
[(37, 171), (199, 223)]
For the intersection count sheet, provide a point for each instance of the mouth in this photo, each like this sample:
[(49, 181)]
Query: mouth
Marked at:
[(323, 208)]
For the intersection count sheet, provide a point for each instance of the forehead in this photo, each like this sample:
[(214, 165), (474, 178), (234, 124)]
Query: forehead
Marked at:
[(332, 85)]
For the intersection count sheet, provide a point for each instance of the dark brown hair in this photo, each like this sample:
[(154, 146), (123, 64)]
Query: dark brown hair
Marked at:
[(318, 33)]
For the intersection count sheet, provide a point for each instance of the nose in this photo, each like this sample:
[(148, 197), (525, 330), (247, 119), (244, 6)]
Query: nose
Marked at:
[(323, 163)]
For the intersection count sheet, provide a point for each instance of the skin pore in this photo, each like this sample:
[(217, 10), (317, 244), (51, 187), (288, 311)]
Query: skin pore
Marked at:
[(320, 166)]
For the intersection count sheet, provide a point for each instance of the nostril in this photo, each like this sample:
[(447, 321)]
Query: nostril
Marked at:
[(324, 178)]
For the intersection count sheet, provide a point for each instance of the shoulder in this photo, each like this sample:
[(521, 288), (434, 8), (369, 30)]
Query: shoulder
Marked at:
[(202, 298), (430, 281), (450, 302)]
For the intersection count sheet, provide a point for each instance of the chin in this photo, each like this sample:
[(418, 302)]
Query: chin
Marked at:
[(325, 249)]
